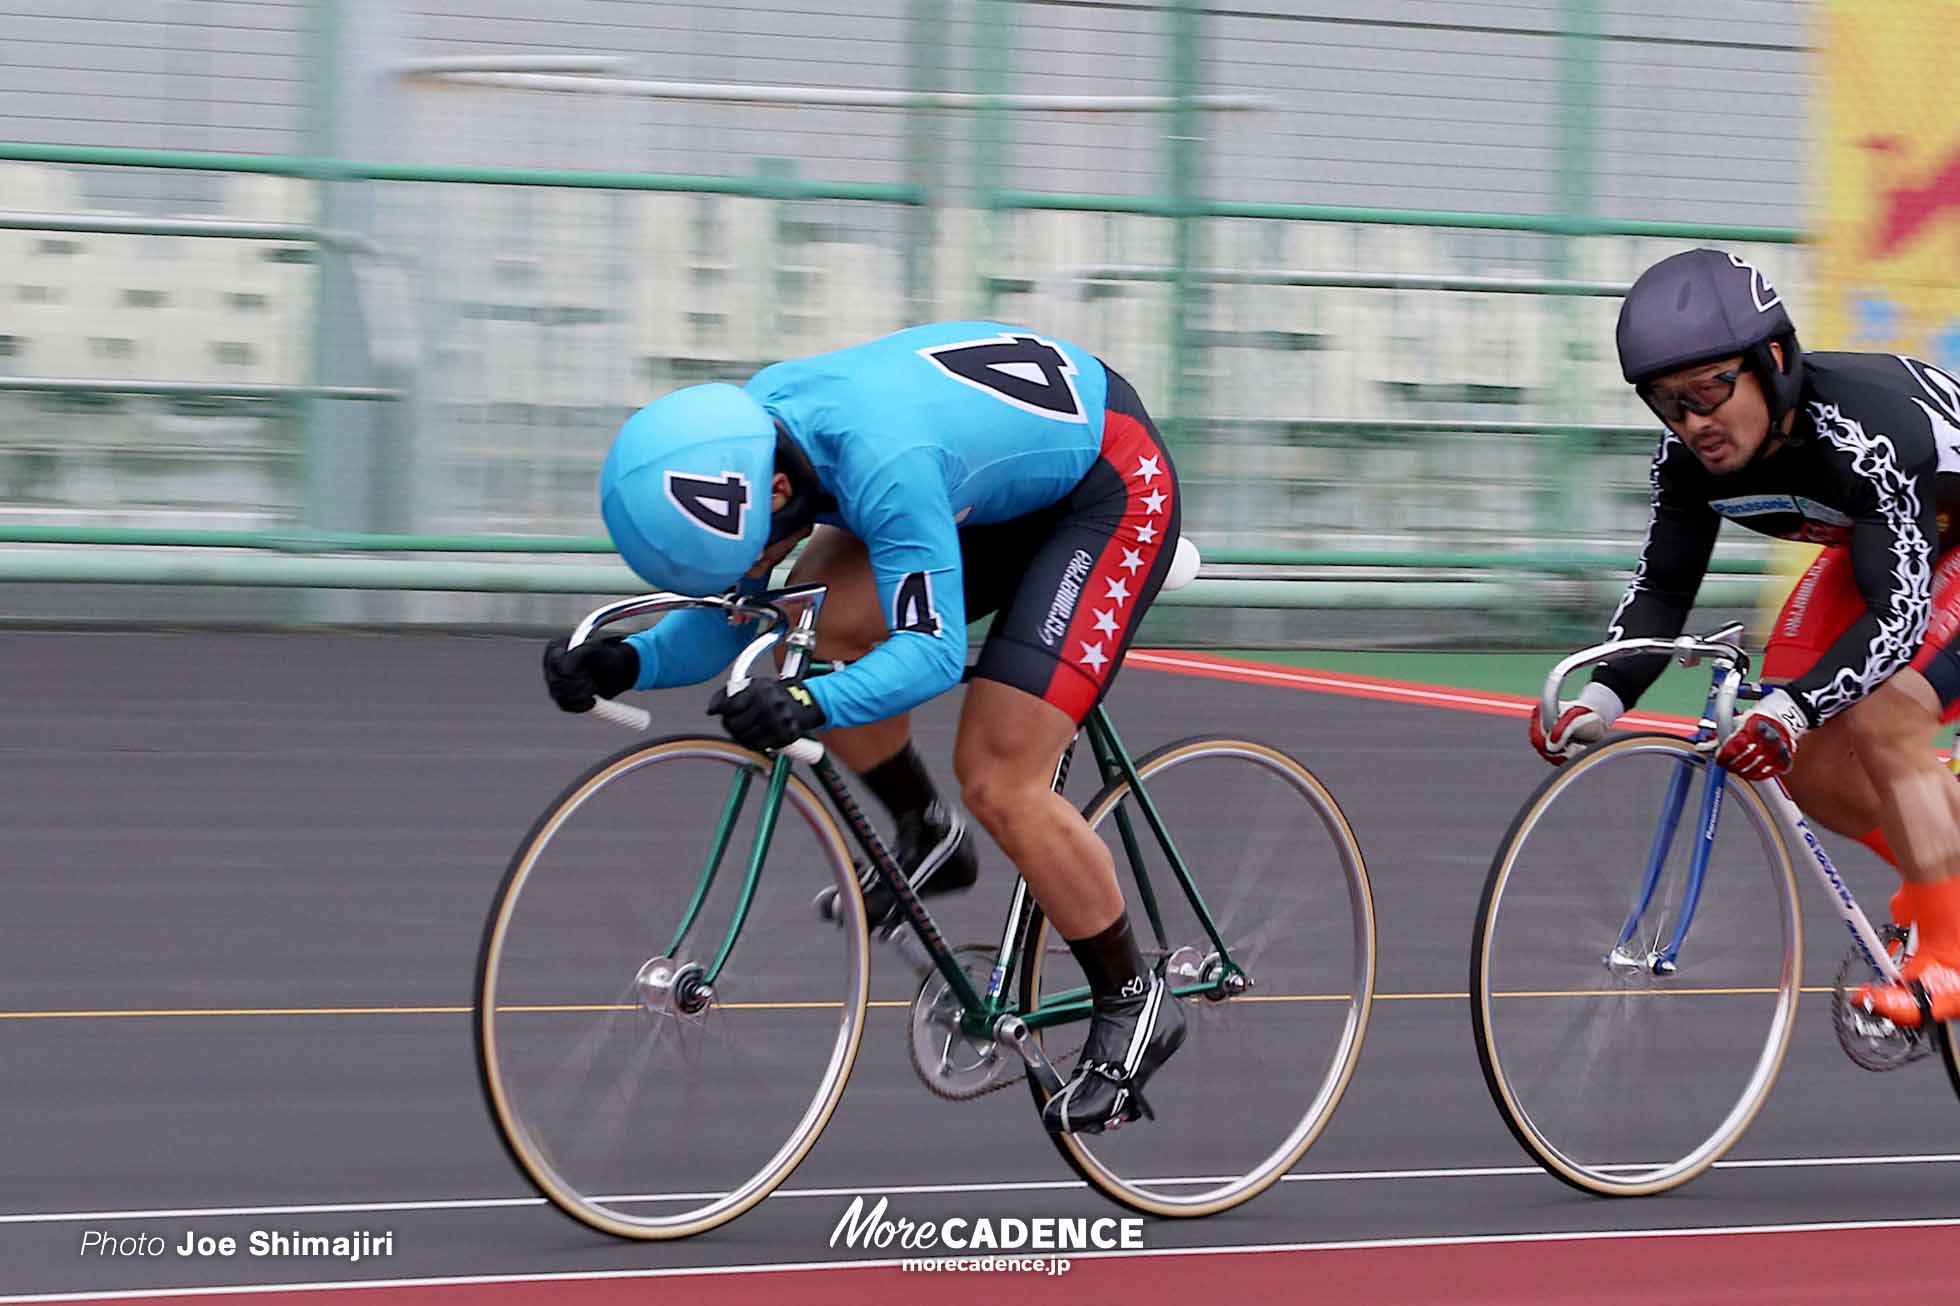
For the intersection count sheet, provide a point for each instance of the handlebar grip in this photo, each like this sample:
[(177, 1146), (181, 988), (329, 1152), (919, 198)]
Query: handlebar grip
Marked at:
[(621, 714)]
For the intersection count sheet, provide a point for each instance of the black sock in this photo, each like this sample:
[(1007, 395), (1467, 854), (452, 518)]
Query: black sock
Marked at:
[(1110, 960), (901, 783)]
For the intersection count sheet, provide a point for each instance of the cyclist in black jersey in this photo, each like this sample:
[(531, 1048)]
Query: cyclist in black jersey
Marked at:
[(1859, 453)]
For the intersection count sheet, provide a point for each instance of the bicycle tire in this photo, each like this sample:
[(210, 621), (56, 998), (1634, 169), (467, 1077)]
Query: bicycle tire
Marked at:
[(495, 1058), (1600, 1178), (1350, 1010)]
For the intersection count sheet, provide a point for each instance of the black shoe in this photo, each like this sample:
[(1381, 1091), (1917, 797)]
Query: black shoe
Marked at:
[(1129, 1037), (936, 853)]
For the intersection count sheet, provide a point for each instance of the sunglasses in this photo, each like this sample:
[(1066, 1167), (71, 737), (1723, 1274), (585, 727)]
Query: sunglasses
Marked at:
[(1701, 396)]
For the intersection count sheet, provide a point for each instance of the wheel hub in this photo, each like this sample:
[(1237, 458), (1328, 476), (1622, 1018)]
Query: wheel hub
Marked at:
[(673, 988)]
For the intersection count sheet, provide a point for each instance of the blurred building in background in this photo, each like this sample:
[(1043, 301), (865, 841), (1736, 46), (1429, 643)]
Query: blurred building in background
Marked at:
[(317, 273)]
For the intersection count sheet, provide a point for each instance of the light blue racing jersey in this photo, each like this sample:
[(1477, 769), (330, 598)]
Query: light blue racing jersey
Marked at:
[(913, 435)]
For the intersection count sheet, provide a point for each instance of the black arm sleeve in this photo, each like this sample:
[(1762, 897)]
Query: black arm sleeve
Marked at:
[(1889, 480), (1672, 563)]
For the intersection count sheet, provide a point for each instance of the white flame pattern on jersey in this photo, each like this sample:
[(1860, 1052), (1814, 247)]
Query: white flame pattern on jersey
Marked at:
[(1903, 624), (1614, 630)]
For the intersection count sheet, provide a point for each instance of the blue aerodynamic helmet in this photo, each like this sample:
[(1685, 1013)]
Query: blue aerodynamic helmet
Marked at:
[(685, 488)]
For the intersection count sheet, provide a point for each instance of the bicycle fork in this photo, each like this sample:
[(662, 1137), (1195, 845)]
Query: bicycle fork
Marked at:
[(1664, 960)]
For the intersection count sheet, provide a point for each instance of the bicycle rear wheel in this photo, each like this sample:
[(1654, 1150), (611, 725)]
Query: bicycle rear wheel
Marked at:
[(1263, 1065), (1950, 1052), (641, 1099), (1619, 1080)]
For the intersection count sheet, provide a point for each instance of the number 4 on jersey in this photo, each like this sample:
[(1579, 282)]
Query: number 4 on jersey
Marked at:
[(712, 505), (912, 605), (1023, 370)]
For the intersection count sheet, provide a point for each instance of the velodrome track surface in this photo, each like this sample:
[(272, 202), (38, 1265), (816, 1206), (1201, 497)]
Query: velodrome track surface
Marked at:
[(287, 843)]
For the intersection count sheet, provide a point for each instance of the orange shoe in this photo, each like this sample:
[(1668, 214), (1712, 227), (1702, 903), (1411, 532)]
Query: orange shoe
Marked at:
[(1899, 1003)]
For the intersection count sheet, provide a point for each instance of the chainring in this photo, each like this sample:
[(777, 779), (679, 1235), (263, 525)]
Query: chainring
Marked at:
[(1871, 1041), (947, 1061)]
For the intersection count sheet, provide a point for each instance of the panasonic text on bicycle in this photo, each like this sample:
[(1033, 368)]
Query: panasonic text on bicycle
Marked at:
[(861, 1228)]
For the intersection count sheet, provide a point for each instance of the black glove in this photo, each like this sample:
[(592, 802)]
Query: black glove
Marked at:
[(607, 667), (768, 715)]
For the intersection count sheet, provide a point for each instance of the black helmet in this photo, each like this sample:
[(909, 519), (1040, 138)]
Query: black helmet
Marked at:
[(1705, 304)]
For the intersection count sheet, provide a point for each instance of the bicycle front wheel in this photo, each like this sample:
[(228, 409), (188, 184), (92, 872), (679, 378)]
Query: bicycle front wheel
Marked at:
[(1619, 1074), (647, 1089), (1276, 991)]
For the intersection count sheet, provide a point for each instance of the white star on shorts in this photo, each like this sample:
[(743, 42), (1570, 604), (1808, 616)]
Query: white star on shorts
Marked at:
[(1146, 535), (1093, 655), (1154, 501), (1117, 590), (1148, 469), (1106, 623), (1132, 561)]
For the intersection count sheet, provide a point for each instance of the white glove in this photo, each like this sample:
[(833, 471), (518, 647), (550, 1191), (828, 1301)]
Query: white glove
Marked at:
[(1581, 723), (1765, 740)]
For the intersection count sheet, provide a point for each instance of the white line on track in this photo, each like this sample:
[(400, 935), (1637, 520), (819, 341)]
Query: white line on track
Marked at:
[(596, 1276), (914, 1190)]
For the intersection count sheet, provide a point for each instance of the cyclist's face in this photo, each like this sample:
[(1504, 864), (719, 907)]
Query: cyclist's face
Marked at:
[(1728, 435), (779, 495)]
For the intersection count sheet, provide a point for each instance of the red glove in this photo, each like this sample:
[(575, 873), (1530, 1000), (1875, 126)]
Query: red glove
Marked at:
[(1765, 740), (1581, 723)]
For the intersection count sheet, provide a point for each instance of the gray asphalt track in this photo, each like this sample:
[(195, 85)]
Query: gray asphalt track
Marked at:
[(205, 821)]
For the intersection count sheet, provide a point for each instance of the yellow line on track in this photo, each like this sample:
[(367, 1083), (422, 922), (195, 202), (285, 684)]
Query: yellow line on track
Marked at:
[(154, 1013)]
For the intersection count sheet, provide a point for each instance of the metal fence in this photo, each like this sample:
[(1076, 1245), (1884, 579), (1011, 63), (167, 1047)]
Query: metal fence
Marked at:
[(355, 292)]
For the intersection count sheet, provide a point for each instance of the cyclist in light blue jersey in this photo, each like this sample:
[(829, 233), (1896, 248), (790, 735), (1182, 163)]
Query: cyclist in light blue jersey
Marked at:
[(939, 474)]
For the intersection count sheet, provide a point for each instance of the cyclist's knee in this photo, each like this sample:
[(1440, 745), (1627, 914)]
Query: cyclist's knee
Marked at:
[(1890, 733), (992, 792)]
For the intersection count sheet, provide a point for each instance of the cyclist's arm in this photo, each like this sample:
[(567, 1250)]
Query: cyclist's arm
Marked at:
[(1680, 538), (687, 647), (1890, 480), (906, 523)]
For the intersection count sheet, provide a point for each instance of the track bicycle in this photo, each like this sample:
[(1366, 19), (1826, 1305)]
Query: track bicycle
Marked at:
[(661, 1038), (1635, 970)]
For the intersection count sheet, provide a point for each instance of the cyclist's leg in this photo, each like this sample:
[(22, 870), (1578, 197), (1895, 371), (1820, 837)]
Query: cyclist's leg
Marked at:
[(1891, 732), (1009, 743), (1047, 662)]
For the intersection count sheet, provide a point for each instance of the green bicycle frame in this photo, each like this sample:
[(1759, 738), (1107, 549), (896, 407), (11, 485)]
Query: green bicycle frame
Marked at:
[(980, 1011)]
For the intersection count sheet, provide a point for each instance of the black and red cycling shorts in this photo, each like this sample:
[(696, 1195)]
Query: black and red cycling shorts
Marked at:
[(1825, 604), (1071, 582)]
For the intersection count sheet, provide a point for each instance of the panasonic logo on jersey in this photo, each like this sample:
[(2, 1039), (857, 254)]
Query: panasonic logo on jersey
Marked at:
[(1754, 505), (1066, 594)]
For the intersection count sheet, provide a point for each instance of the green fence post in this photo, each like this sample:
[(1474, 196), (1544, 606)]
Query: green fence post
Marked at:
[(927, 39), (993, 133), (1577, 145), (1184, 71), (322, 110)]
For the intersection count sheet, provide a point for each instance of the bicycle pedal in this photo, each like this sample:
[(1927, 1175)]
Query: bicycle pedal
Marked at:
[(903, 941), (825, 904)]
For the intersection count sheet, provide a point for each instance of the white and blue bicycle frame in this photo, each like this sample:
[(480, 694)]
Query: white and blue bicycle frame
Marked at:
[(1718, 721)]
